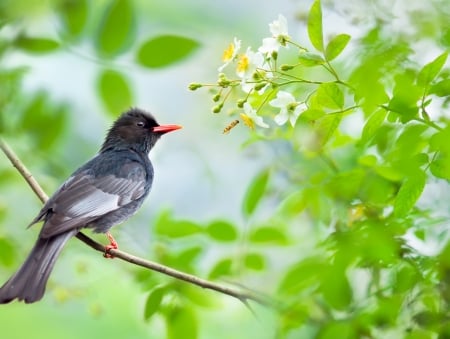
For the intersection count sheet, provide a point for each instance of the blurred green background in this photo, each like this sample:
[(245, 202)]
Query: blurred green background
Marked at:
[(70, 67)]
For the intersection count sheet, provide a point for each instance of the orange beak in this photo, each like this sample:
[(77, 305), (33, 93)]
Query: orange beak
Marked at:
[(166, 128)]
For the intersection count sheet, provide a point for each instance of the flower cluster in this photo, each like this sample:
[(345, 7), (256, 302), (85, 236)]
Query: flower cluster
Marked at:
[(256, 73), (266, 90)]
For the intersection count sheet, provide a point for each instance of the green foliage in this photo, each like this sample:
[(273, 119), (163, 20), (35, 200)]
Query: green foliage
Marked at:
[(255, 192), (181, 323), (36, 45), (222, 230), (153, 303), (116, 30), (165, 50), (74, 14), (315, 26), (115, 91), (410, 190), (362, 146), (336, 46), (167, 226)]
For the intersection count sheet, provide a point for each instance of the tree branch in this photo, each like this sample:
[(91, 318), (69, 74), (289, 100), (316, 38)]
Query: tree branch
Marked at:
[(240, 295)]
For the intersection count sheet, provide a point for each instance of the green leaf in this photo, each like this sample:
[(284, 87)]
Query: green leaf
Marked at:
[(441, 88), (440, 166), (293, 204), (221, 268), (36, 45), (222, 231), (302, 275), (326, 127), (167, 226), (405, 96), (345, 185), (337, 329), (311, 114), (329, 95), (255, 192), (114, 91), (336, 46), (181, 323), (315, 26), (388, 309), (336, 289), (198, 296), (165, 50), (308, 59), (153, 302), (268, 235), (186, 257), (116, 30), (410, 191), (255, 261), (431, 70), (406, 277), (74, 15), (43, 122), (372, 125), (367, 160), (375, 189)]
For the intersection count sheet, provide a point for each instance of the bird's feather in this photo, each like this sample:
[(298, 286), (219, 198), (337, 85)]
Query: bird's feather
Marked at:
[(86, 196)]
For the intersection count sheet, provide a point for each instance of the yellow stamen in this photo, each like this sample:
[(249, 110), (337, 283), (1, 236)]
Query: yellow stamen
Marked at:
[(247, 121), (243, 63), (228, 53)]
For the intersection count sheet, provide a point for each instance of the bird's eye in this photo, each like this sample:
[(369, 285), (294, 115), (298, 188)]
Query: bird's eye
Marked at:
[(140, 124)]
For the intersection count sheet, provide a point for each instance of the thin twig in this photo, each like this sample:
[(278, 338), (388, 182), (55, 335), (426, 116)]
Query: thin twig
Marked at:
[(244, 297), (26, 174), (192, 279)]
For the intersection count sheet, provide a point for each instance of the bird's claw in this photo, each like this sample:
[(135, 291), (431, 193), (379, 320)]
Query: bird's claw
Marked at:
[(112, 245)]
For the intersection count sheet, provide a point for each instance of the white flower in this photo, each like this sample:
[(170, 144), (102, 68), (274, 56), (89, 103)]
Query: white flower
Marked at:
[(280, 35), (230, 53), (279, 27), (290, 109), (247, 65), (250, 117), (269, 46)]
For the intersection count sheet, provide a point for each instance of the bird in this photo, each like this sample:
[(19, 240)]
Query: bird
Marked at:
[(105, 191)]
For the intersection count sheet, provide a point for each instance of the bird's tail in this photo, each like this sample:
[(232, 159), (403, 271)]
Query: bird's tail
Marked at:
[(28, 283)]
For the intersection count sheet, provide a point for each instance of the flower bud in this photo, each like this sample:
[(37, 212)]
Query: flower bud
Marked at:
[(259, 86), (217, 108), (194, 86), (286, 67), (241, 102)]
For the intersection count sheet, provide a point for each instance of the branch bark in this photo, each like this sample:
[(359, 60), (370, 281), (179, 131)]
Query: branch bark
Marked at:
[(238, 294)]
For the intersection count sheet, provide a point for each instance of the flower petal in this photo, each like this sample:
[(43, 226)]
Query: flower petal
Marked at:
[(269, 46), (281, 117), (279, 27)]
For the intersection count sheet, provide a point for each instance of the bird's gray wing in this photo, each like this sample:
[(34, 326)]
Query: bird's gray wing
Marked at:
[(85, 197)]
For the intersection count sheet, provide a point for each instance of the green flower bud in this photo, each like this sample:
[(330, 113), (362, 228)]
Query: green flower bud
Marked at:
[(285, 67), (194, 86), (260, 86), (218, 108), (241, 102), (223, 80)]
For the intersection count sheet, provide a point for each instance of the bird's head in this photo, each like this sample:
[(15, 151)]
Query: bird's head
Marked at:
[(136, 129)]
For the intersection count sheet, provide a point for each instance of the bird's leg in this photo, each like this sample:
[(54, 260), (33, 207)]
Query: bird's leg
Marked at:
[(112, 245)]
